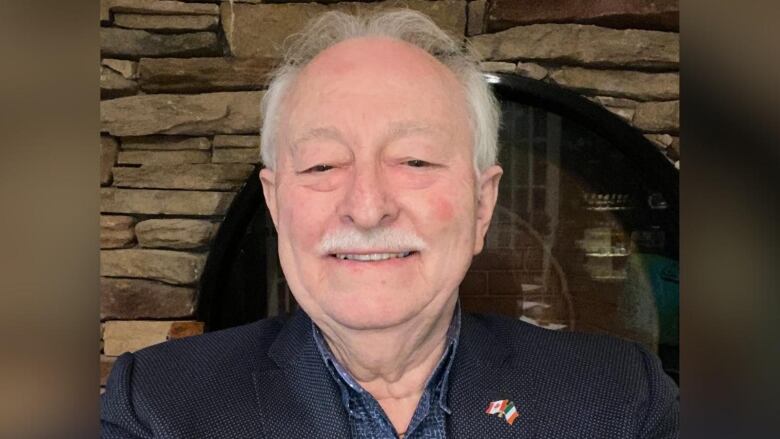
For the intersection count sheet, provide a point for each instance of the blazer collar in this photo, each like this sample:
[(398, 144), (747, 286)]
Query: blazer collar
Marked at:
[(293, 340), (483, 372), (296, 395)]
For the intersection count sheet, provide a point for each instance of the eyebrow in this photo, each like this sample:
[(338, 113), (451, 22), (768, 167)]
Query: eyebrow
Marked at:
[(402, 129), (395, 131), (320, 133)]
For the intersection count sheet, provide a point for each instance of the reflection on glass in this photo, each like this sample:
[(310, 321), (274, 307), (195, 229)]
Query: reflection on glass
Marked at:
[(578, 241)]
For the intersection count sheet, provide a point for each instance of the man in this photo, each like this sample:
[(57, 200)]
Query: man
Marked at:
[(379, 141)]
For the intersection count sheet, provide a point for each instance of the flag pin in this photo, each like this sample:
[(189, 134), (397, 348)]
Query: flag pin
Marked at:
[(503, 408)]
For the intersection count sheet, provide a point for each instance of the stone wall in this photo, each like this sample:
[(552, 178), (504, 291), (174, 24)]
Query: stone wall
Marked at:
[(181, 83)]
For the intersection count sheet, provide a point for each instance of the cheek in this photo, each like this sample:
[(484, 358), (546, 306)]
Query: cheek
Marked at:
[(443, 209), (451, 216), (449, 204), (302, 228)]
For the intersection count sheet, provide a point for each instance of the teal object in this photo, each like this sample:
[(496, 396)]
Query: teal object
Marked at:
[(667, 299), (664, 277)]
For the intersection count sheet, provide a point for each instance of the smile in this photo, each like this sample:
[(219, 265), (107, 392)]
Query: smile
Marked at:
[(371, 257)]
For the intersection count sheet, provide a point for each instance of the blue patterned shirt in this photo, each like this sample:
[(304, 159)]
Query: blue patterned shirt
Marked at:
[(366, 417)]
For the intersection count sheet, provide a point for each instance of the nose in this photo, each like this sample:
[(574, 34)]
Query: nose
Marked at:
[(369, 201)]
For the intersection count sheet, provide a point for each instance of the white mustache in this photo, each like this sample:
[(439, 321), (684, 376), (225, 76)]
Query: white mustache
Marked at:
[(389, 240)]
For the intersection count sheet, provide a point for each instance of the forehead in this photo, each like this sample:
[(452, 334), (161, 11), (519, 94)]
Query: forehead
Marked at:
[(377, 55), (380, 78)]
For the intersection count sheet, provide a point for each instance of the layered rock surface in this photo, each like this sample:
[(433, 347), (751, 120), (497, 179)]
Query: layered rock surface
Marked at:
[(258, 30), (144, 299), (583, 45), (173, 267), (199, 114), (164, 202)]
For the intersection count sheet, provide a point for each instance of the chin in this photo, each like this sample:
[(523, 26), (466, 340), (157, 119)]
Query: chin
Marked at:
[(364, 314), (366, 321)]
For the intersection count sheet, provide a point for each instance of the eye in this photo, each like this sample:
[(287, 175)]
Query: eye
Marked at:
[(318, 168), (417, 163)]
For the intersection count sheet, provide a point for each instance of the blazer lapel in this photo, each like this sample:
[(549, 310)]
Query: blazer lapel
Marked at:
[(482, 373), (295, 392)]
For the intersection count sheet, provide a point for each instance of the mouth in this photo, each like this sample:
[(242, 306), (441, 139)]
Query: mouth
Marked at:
[(372, 257)]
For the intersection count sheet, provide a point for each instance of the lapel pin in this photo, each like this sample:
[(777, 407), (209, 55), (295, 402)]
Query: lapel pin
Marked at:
[(503, 408)]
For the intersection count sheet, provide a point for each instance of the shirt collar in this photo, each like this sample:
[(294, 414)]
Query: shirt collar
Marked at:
[(438, 382)]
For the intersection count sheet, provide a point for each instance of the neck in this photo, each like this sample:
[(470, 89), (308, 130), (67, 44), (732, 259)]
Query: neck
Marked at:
[(393, 362)]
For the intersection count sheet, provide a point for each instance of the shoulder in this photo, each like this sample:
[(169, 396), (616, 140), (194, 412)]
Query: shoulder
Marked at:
[(188, 382), (250, 340), (237, 347), (207, 360), (619, 384), (524, 339), (575, 357)]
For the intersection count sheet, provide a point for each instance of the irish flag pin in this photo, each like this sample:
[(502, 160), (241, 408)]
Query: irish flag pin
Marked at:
[(504, 408)]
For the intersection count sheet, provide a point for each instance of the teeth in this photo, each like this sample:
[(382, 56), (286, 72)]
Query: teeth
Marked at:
[(371, 256)]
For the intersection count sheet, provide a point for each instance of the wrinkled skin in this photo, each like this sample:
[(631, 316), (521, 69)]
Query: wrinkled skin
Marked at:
[(375, 133)]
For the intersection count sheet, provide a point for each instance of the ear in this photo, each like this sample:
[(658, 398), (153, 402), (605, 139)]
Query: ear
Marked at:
[(487, 194), (268, 180)]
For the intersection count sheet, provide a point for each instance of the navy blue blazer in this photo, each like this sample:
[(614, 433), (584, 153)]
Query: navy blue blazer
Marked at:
[(267, 380)]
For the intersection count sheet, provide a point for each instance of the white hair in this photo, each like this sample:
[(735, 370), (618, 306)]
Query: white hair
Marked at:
[(405, 25)]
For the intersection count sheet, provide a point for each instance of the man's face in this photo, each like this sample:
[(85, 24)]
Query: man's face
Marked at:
[(375, 143)]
